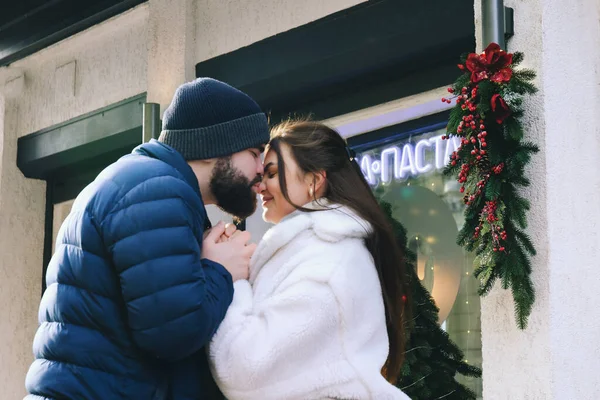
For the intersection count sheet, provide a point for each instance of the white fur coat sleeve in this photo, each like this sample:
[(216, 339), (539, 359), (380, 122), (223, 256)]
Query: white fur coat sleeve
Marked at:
[(251, 344)]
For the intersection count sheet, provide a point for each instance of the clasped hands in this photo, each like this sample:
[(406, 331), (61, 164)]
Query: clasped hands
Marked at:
[(230, 247)]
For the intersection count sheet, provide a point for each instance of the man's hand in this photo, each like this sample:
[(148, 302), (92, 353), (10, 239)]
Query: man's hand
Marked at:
[(234, 253)]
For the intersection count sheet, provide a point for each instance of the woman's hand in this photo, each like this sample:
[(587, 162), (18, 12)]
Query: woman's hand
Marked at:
[(230, 230)]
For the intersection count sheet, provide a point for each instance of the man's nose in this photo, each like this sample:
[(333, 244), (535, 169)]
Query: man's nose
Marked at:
[(260, 169)]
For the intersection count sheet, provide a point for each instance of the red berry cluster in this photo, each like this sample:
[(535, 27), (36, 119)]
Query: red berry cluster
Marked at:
[(498, 168), (445, 100), (473, 149), (473, 140), (489, 215), (489, 211), (463, 174)]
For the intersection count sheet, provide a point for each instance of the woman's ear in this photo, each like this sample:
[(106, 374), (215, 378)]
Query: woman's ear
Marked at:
[(316, 182)]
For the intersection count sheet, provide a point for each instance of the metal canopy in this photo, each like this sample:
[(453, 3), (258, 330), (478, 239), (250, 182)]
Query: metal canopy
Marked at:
[(82, 143)]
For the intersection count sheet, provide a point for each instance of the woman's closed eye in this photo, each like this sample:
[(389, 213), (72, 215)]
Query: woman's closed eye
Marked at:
[(270, 170)]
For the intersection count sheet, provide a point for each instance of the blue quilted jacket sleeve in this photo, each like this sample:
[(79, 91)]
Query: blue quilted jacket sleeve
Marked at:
[(175, 300)]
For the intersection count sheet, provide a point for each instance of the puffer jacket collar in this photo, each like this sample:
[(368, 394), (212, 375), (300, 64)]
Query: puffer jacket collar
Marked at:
[(167, 154)]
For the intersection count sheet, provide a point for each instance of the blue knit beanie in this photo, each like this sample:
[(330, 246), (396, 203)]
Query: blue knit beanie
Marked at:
[(209, 119)]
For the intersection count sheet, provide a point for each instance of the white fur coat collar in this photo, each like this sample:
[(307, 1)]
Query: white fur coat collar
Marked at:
[(331, 223)]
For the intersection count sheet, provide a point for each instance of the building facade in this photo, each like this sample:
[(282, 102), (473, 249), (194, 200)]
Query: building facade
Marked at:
[(375, 70)]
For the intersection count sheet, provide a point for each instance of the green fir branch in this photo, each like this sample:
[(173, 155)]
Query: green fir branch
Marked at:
[(463, 81), (525, 241), (493, 188), (487, 276), (518, 212), (520, 180), (464, 235), (521, 156), (530, 147), (524, 296), (517, 58), (453, 120), (524, 75), (522, 260), (513, 129), (524, 87), (451, 170)]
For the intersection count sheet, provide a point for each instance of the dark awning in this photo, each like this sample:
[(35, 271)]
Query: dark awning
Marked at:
[(371, 53), (83, 142)]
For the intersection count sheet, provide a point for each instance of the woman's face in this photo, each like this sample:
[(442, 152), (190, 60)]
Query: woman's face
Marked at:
[(274, 204)]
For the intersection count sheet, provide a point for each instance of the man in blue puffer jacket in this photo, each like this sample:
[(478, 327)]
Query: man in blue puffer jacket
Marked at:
[(135, 290)]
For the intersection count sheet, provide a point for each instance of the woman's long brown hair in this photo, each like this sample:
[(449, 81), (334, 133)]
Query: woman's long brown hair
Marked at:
[(317, 148)]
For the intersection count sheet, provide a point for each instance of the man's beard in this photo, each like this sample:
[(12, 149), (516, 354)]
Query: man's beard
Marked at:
[(232, 190)]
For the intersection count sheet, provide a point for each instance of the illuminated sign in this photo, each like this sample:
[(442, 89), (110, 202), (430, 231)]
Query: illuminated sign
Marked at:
[(411, 159)]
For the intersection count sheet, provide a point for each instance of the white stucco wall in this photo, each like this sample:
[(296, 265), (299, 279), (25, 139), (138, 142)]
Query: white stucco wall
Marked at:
[(556, 356), (21, 245), (100, 66), (571, 58), (171, 40), (110, 65)]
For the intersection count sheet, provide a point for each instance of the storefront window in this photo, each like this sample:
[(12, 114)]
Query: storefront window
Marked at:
[(406, 171)]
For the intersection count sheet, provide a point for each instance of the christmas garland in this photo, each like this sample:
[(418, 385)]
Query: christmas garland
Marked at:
[(489, 164)]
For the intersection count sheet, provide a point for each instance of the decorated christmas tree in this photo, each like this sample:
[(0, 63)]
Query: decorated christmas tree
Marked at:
[(432, 359)]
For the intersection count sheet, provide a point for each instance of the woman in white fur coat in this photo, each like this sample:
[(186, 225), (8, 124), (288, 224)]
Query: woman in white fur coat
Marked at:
[(322, 314)]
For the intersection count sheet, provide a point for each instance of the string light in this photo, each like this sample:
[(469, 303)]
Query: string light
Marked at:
[(467, 350)]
